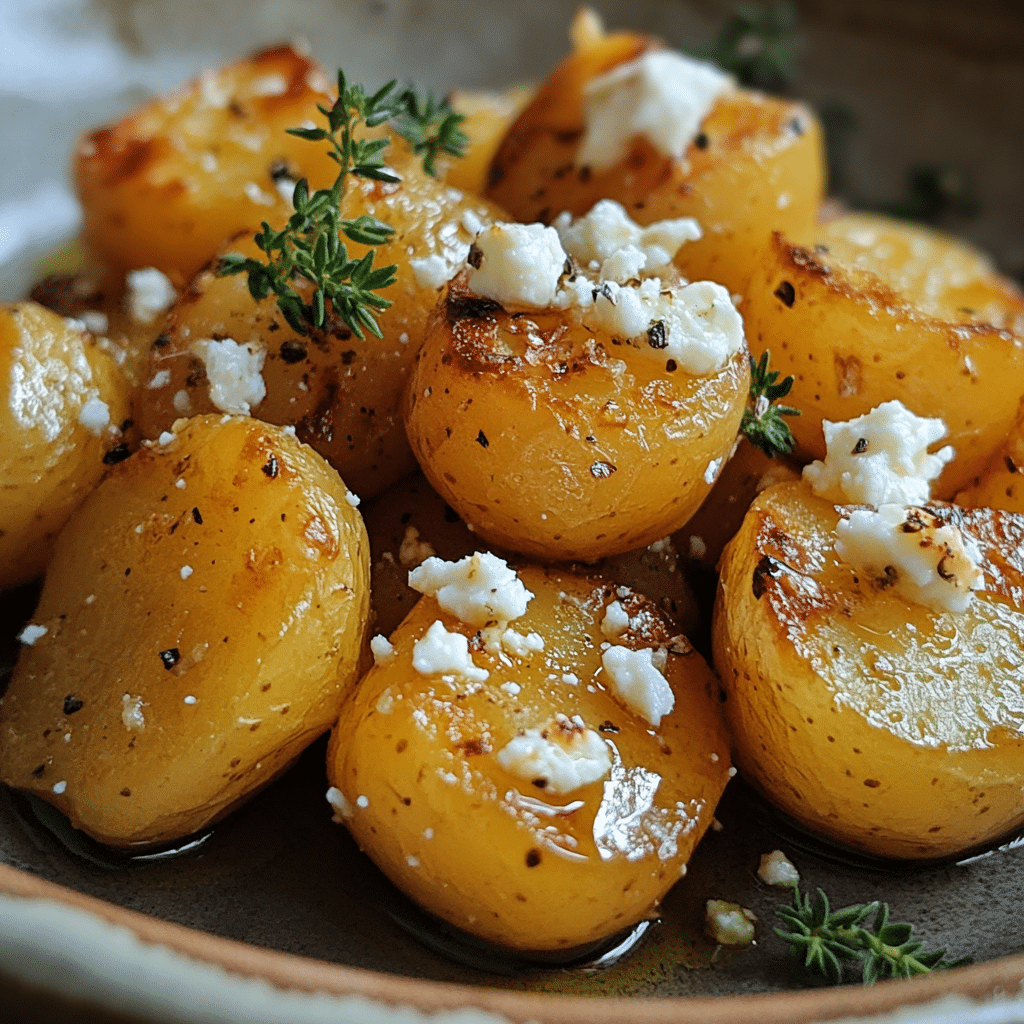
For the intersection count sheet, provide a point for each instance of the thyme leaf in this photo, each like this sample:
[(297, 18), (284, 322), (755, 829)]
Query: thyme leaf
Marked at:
[(309, 248), (762, 422), (828, 941)]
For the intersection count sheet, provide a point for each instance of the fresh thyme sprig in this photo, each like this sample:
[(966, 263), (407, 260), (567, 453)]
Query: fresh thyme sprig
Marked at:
[(762, 421), (310, 247), (828, 940)]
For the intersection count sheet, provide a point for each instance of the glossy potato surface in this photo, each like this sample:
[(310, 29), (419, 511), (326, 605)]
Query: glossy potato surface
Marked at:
[(559, 441), (50, 460), (168, 183), (853, 341), (756, 166), (204, 615), (415, 757), (870, 719), (342, 393)]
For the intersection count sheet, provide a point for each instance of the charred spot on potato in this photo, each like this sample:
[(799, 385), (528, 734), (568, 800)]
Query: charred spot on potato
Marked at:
[(292, 351), (116, 454), (763, 571)]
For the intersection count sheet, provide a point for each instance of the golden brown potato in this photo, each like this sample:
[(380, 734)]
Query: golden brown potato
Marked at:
[(755, 166), (428, 780), (558, 440), (167, 184), (64, 405), (202, 618), (869, 718), (853, 341), (999, 485), (342, 393)]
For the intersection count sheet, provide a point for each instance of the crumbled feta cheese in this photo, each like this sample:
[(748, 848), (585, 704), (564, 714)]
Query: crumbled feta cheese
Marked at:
[(352, 499), (432, 271), (914, 551), (149, 294), (698, 547), (621, 248), (234, 373), (521, 646), (637, 683), (95, 321), (711, 473), (160, 380), (615, 621), (561, 757), (342, 808), (661, 96), (190, 699), (413, 551), (31, 633), (59, 787), (517, 264), (879, 458), (440, 652), (186, 571), (95, 416), (511, 688), (131, 712), (729, 924), (478, 589), (363, 802), (382, 649), (777, 869), (182, 403)]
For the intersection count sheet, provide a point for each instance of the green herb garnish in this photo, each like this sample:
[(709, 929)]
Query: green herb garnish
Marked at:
[(758, 44), (830, 940), (762, 422), (310, 247)]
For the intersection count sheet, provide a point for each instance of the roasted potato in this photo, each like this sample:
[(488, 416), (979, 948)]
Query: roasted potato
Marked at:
[(166, 185), (876, 721), (341, 392), (64, 406), (492, 799), (863, 330), (755, 166), (558, 440), (202, 618)]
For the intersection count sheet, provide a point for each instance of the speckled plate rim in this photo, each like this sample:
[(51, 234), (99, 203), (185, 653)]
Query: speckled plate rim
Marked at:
[(348, 988)]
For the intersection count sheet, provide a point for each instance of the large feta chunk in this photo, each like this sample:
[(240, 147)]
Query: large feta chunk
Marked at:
[(879, 458), (439, 652), (635, 680), (234, 373), (478, 589), (661, 96), (915, 552), (517, 264), (561, 757)]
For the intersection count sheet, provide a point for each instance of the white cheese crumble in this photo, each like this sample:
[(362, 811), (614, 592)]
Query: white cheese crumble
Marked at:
[(413, 551), (432, 271), (615, 621), (478, 589), (661, 96), (149, 294), (160, 380), (520, 264), (342, 808), (694, 326), (95, 416), (382, 649), (729, 924), (131, 712), (182, 403), (59, 787), (31, 633), (352, 499), (440, 652), (879, 458), (637, 683), (560, 758), (914, 551), (777, 869), (190, 699), (621, 248), (95, 321), (234, 373), (521, 646), (186, 571)]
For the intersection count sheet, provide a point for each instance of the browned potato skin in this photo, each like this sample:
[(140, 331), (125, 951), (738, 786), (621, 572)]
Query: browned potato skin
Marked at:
[(1001, 484), (265, 525), (148, 199), (342, 393), (866, 717), (759, 150), (49, 461), (544, 450), (486, 867), (852, 342)]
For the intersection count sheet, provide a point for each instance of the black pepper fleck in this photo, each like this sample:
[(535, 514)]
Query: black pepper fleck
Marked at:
[(170, 657), (293, 351), (860, 447), (270, 467), (701, 140), (532, 857), (116, 454), (786, 293), (72, 704), (657, 335), (197, 517), (481, 439)]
